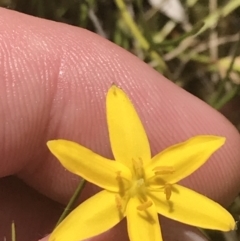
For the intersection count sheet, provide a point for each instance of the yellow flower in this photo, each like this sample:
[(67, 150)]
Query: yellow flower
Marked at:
[(137, 186)]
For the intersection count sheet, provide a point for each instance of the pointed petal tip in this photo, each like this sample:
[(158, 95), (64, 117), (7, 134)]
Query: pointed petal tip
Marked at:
[(233, 225), (218, 141), (113, 85), (230, 224), (50, 144), (114, 89), (211, 138), (221, 139)]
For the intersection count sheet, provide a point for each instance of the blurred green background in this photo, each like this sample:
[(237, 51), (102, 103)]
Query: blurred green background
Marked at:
[(195, 45)]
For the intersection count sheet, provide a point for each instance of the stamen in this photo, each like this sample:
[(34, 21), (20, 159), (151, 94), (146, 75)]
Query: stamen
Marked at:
[(138, 168), (168, 190), (119, 178), (161, 170), (118, 202), (121, 185), (145, 205)]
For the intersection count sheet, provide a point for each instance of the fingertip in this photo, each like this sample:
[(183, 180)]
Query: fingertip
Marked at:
[(44, 239)]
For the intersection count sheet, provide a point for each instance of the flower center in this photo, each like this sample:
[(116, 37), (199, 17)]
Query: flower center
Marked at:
[(138, 186), (140, 182)]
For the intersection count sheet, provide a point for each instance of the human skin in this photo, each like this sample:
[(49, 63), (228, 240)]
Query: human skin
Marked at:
[(53, 83)]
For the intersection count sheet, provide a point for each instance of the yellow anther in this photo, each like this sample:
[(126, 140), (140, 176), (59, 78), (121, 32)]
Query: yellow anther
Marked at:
[(145, 205), (120, 183), (168, 190), (119, 178), (118, 202), (161, 170), (138, 168)]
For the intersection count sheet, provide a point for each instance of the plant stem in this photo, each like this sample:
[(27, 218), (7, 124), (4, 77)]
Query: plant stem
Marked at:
[(71, 202)]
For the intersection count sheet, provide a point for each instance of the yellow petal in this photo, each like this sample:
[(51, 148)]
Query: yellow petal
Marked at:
[(89, 165), (142, 225), (192, 208), (94, 216), (127, 135), (184, 158)]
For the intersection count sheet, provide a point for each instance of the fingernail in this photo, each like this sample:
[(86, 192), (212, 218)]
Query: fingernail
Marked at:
[(192, 236), (44, 239)]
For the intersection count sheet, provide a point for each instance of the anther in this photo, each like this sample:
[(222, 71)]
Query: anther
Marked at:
[(168, 190), (119, 178), (118, 202), (144, 206), (121, 185), (161, 170), (138, 168)]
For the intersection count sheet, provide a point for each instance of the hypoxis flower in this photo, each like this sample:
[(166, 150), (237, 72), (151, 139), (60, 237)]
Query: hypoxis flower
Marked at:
[(136, 185)]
